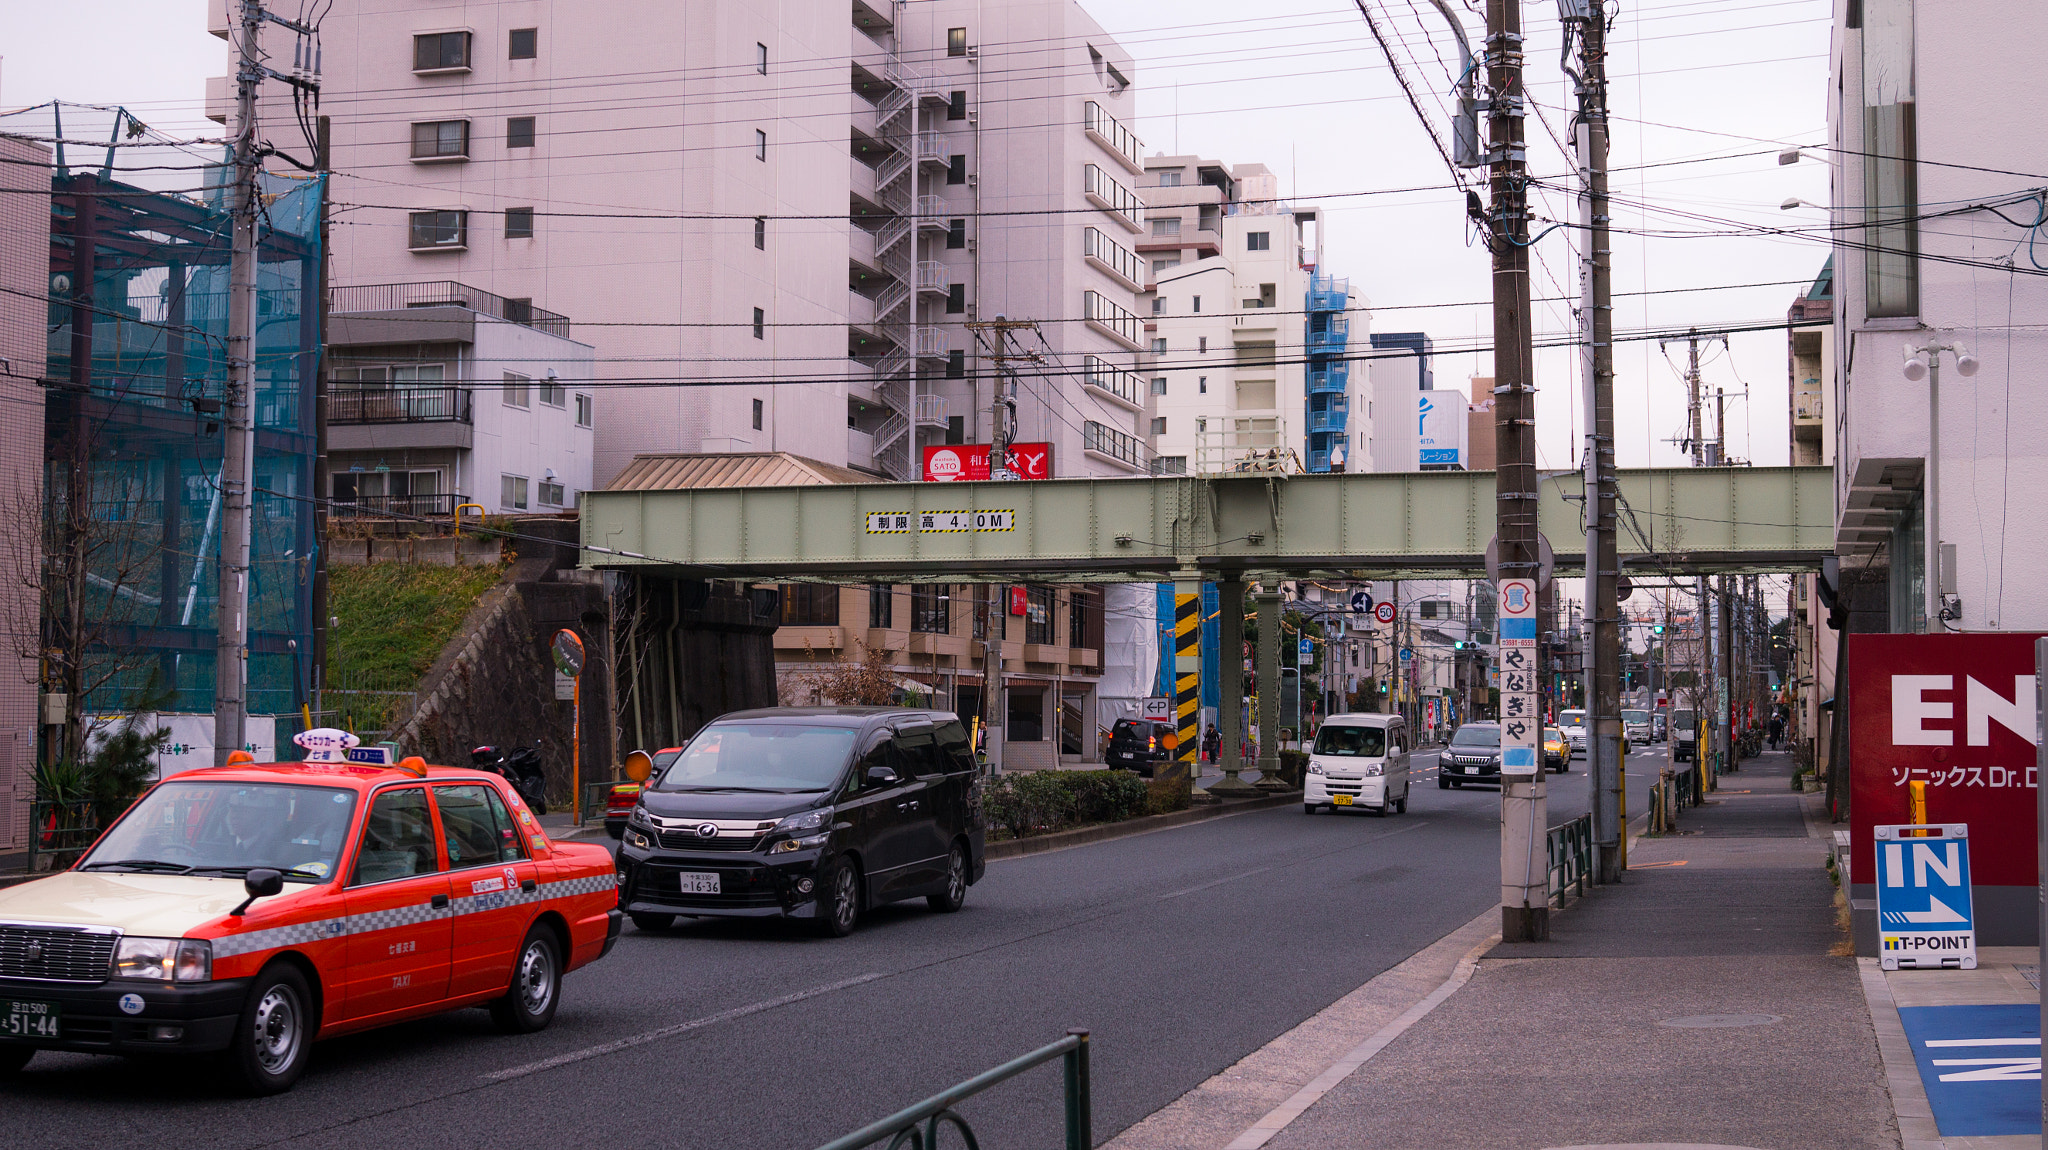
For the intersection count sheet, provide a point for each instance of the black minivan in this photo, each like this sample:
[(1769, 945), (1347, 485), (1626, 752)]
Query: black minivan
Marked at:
[(811, 813), (1138, 745)]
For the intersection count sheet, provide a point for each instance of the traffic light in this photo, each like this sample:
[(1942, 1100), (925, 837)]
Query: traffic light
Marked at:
[(1657, 629)]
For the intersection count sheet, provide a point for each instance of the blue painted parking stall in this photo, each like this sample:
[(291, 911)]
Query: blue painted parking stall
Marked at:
[(1981, 1066)]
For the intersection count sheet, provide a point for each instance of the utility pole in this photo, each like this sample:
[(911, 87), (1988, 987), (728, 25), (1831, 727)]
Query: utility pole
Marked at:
[(316, 671), (1002, 433), (237, 474), (1603, 567), (1524, 872)]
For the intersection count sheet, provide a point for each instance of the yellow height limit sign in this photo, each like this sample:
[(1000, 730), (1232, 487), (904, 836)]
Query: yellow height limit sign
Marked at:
[(939, 522)]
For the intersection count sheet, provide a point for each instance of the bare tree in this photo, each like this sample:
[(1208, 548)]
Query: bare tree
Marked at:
[(867, 682)]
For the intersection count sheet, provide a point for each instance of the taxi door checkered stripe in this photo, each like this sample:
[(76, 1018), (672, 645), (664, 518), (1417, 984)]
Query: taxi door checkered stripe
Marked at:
[(301, 933)]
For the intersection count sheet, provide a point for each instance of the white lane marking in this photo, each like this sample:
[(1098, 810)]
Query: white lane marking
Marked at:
[(1414, 826), (631, 1041), (1278, 1118)]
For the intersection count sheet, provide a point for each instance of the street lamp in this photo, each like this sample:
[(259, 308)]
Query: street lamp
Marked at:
[(1924, 362)]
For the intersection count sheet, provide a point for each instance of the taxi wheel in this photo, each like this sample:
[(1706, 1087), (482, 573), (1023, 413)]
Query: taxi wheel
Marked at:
[(529, 1004), (13, 1057), (955, 894), (275, 1035), (839, 899)]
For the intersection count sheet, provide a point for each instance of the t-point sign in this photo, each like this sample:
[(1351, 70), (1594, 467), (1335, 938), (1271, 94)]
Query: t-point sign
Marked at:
[(1924, 914)]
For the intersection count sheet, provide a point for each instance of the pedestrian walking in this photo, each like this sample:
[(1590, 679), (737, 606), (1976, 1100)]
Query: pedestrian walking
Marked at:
[(1212, 744), (1777, 730)]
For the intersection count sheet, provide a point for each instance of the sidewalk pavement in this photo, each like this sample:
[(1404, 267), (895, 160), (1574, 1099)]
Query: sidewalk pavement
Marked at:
[(1709, 1000)]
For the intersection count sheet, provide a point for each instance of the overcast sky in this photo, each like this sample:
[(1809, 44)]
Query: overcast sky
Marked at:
[(1704, 94)]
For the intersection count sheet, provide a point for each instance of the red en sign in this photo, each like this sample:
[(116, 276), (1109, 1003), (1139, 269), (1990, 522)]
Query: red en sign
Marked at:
[(1955, 712), (970, 461)]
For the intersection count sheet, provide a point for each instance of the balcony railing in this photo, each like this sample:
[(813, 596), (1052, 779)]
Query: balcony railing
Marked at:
[(1106, 440), (1328, 293), (1333, 380), (1100, 373), (380, 506), (447, 293), (398, 405), (1113, 197), (1112, 132), (1113, 255)]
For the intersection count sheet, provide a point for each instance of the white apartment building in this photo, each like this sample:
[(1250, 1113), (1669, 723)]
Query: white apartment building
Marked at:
[(776, 220), (1228, 272), (436, 403), (1915, 123)]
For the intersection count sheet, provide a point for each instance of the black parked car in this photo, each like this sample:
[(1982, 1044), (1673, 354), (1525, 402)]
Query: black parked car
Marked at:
[(1472, 757), (1138, 745), (811, 813)]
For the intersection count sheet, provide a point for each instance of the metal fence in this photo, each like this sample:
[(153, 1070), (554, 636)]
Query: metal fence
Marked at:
[(447, 293), (371, 706), (62, 832), (917, 1127), (1571, 856)]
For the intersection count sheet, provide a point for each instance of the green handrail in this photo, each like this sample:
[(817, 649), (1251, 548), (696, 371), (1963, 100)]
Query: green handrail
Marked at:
[(1570, 849), (938, 1110)]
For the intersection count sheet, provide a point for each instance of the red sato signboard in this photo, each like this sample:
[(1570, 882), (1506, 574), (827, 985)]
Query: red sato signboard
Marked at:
[(970, 461), (1955, 712)]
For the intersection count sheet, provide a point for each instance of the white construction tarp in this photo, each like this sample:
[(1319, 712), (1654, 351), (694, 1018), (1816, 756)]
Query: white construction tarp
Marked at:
[(191, 744), (1130, 650)]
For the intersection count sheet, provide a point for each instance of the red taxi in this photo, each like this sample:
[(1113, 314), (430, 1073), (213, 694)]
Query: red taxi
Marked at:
[(252, 909)]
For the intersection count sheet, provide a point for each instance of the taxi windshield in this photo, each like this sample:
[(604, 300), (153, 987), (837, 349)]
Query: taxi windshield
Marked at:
[(772, 757), (223, 828), (1553, 735), (1365, 742)]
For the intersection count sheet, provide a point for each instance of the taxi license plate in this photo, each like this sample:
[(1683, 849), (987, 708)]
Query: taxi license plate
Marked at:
[(698, 882), (1340, 800), (25, 1018)]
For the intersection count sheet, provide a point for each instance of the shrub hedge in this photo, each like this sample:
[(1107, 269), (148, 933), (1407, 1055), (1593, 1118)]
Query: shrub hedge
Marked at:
[(1040, 802)]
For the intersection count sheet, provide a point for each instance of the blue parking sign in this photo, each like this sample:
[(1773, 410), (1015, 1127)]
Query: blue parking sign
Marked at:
[(1924, 916)]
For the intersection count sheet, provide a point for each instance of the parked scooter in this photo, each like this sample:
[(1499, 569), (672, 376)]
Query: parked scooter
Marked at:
[(521, 768)]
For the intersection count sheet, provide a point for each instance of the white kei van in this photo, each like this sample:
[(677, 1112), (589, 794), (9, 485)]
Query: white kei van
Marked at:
[(1358, 761)]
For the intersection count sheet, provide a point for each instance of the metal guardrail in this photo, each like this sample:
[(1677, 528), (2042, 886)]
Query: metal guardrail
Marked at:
[(1571, 856), (60, 832), (917, 1127)]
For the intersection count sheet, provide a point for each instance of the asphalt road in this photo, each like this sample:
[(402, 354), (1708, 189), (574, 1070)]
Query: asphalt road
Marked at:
[(1182, 950)]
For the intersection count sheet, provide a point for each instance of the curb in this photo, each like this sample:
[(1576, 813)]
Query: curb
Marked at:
[(1082, 836)]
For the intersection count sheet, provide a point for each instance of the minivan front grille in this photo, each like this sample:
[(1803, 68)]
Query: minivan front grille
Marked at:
[(55, 953), (690, 841)]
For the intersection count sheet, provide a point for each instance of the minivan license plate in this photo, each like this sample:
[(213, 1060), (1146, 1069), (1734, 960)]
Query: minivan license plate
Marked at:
[(1340, 800), (698, 882), (23, 1018)]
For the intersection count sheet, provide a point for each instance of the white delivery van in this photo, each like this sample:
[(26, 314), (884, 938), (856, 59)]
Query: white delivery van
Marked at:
[(1358, 761)]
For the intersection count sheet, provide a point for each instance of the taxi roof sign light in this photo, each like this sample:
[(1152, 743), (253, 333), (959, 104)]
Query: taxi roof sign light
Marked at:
[(413, 765), (236, 758), (327, 744)]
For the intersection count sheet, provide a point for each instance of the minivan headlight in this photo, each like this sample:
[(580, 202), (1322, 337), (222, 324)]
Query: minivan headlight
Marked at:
[(802, 821), (1315, 768), (1372, 769), (164, 959)]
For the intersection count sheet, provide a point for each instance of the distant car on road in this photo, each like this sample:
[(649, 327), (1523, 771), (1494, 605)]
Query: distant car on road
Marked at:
[(1660, 725), (816, 814), (1557, 751), (1684, 735), (1358, 761), (1573, 723), (1138, 745), (1473, 756), (1635, 727)]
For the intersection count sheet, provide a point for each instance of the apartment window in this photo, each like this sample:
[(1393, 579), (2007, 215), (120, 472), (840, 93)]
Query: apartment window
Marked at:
[(1891, 193), (760, 145), (1166, 226), (956, 298), (1039, 606), (524, 43), (551, 493), (761, 58), (444, 231), (1170, 465), (1159, 425), (519, 224), (757, 414), (512, 492), (1084, 619), (931, 608), (1170, 180), (956, 105), (761, 233), (1258, 241), (1106, 440), (956, 234), (553, 393), (882, 606), (1159, 345), (519, 132), (810, 605), (1159, 386), (760, 324), (1158, 305), (583, 411), (441, 140), (956, 170), (1202, 345), (1164, 263), (956, 41), (1198, 305), (440, 52), (1201, 385), (956, 365), (516, 392)]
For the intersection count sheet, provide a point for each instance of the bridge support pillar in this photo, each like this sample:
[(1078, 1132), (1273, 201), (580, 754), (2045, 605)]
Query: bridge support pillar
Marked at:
[(1230, 689), (1268, 599)]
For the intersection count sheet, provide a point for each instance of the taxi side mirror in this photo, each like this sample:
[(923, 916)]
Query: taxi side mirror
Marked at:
[(259, 883)]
